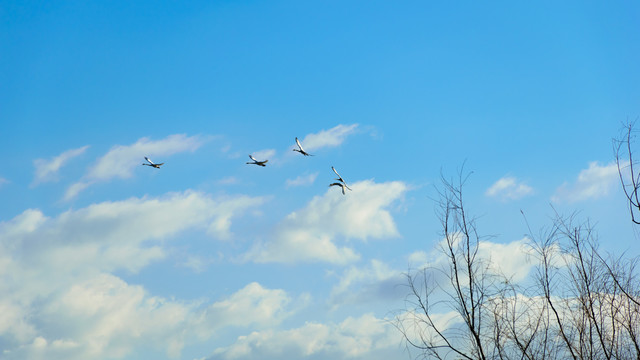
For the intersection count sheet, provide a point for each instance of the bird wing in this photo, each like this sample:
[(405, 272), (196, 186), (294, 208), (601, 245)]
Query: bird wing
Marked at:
[(334, 170), (252, 158), (300, 146), (339, 184), (149, 160)]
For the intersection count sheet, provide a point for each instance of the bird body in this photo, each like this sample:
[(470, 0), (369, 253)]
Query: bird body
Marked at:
[(151, 163), (256, 162), (300, 149)]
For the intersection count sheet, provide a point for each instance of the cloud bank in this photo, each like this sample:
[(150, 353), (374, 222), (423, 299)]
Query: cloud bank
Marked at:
[(104, 317), (59, 298), (364, 337)]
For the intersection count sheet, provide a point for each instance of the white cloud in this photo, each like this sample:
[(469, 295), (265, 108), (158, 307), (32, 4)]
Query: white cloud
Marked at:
[(592, 183), (508, 188), (58, 299), (376, 281), (104, 317), (302, 180), (292, 246), (418, 258), (251, 305), (328, 138), (120, 161), (511, 260), (136, 220), (124, 235), (364, 337), (47, 169), (309, 235)]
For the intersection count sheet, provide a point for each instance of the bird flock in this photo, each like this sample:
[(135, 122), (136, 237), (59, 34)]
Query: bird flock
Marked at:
[(340, 183)]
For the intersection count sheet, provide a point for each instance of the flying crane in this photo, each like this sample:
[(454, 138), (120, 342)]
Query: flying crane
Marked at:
[(256, 162), (340, 182), (300, 149), (151, 163)]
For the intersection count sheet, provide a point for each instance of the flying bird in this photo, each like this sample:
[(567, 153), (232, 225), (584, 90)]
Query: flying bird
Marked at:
[(300, 149), (152, 164), (342, 185), (256, 162), (339, 178)]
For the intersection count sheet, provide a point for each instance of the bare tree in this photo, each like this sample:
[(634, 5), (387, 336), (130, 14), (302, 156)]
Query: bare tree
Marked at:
[(462, 290), (627, 169), (577, 304)]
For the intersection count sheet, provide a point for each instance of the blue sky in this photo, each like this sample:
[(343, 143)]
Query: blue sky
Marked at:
[(211, 258)]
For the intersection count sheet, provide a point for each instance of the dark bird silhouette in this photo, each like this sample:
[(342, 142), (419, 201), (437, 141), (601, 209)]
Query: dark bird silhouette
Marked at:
[(300, 149), (152, 164), (256, 162)]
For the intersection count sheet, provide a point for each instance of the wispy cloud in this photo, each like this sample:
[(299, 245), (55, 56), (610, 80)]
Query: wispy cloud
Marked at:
[(309, 235), (509, 188), (47, 169), (3, 181), (197, 263), (229, 180), (594, 182), (76, 188), (121, 160), (328, 138), (302, 180)]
